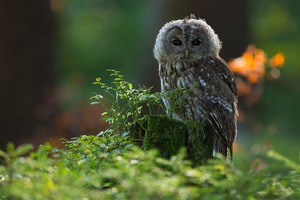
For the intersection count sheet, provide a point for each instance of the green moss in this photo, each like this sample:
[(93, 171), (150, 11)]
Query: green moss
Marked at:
[(199, 142), (169, 136), (165, 134)]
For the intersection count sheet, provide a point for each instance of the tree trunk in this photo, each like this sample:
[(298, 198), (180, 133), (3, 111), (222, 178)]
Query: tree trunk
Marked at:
[(26, 64), (169, 136)]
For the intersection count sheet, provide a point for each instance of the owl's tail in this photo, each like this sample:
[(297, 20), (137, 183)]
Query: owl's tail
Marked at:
[(221, 147)]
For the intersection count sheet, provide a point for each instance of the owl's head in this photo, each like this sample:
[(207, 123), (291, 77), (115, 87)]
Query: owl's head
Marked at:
[(186, 39)]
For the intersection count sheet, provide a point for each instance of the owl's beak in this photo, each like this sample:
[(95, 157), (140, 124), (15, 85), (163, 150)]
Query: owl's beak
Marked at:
[(186, 53)]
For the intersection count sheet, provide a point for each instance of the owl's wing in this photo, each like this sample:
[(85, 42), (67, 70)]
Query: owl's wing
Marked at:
[(223, 123), (224, 72), (220, 100)]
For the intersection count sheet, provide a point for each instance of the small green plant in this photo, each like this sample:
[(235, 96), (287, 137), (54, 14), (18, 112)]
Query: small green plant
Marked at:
[(124, 104), (94, 149), (10, 156)]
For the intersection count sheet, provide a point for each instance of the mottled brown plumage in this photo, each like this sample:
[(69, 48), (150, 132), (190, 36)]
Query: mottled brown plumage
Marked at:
[(188, 55)]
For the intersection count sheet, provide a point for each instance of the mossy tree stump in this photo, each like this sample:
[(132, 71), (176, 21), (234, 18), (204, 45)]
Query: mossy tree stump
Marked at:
[(169, 136)]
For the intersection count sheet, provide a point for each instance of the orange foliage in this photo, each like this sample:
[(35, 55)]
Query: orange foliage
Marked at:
[(277, 60), (250, 70), (251, 64)]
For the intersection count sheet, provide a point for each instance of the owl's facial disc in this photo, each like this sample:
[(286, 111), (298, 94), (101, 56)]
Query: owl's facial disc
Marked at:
[(187, 39), (185, 43)]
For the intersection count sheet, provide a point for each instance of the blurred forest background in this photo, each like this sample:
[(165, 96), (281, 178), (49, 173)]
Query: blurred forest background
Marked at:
[(52, 50)]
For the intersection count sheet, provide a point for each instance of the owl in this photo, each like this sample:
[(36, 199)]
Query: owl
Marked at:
[(187, 51)]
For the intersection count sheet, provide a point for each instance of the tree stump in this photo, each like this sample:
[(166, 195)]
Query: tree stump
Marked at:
[(170, 135)]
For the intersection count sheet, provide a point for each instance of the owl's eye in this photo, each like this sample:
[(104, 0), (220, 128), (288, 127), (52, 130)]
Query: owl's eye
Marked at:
[(196, 42), (176, 42)]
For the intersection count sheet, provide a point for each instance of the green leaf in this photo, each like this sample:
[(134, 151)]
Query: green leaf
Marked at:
[(10, 147), (23, 149), (104, 113), (3, 154), (287, 161), (130, 86)]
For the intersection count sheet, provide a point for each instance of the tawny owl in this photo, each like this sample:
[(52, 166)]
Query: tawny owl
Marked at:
[(187, 51)]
